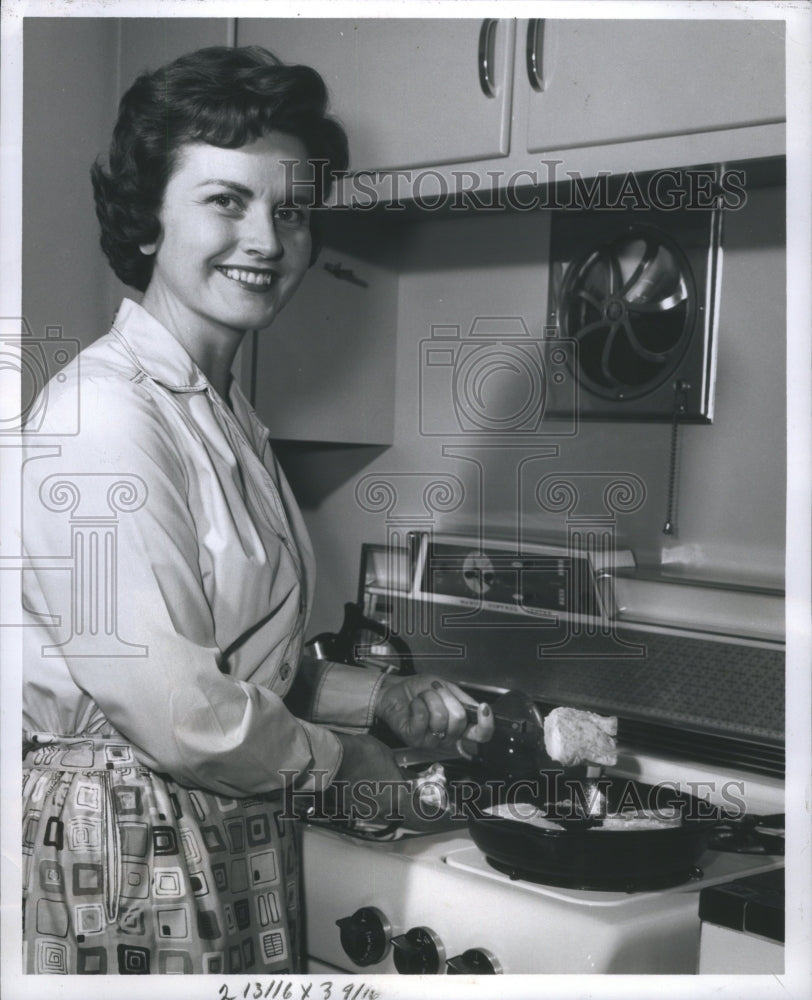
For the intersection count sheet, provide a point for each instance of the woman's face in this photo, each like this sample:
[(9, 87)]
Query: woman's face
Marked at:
[(233, 247)]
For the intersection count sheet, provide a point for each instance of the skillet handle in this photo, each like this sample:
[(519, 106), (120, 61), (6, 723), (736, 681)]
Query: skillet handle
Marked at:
[(516, 749)]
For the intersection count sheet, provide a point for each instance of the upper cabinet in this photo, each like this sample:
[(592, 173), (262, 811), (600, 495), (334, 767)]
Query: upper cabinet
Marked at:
[(410, 92), (499, 98), (596, 82)]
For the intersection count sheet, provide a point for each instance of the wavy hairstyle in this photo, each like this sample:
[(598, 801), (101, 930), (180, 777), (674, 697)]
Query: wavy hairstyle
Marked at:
[(224, 96)]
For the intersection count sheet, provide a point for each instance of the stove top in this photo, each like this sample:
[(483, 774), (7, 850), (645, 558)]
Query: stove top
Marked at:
[(714, 867)]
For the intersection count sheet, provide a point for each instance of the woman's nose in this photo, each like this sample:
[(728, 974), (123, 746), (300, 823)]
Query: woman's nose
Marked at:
[(260, 237)]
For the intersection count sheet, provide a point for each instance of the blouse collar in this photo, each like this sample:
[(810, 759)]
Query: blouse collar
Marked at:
[(156, 351), (164, 359)]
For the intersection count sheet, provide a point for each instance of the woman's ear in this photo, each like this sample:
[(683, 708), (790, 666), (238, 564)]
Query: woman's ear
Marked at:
[(150, 248)]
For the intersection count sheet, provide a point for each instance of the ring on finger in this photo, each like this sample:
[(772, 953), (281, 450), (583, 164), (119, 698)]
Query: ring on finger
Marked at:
[(439, 736)]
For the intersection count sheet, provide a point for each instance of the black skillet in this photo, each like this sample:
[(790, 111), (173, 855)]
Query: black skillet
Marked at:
[(591, 857), (580, 852)]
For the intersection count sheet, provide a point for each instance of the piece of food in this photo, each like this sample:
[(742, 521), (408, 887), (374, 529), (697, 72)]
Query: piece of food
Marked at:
[(431, 788), (572, 736), (524, 813), (646, 819)]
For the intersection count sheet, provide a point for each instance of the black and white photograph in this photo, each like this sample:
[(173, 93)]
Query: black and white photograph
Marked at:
[(405, 531)]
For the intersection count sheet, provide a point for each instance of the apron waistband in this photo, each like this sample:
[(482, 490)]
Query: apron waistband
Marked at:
[(78, 753)]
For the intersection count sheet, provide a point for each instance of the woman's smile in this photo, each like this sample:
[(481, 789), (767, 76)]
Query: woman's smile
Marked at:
[(252, 279)]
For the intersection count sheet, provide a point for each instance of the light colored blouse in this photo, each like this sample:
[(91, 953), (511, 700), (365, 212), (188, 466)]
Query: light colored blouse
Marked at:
[(171, 576)]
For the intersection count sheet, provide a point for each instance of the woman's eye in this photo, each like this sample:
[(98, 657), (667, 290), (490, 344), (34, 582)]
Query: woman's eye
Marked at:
[(226, 201), (290, 216)]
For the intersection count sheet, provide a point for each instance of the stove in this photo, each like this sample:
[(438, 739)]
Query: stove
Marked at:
[(448, 911), (432, 903)]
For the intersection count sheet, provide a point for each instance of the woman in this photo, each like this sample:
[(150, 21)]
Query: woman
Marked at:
[(173, 572)]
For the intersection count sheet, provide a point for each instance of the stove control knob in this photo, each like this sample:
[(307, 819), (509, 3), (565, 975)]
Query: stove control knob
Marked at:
[(474, 962), (365, 935), (418, 952)]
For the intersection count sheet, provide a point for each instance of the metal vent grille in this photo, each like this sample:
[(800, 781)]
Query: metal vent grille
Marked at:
[(719, 751), (633, 298), (630, 305), (704, 748)]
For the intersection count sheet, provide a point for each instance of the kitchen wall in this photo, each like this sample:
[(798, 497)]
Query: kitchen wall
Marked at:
[(74, 71), (730, 503), (69, 99)]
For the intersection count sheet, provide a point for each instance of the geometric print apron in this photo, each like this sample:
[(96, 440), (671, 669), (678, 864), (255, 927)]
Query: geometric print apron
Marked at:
[(125, 871)]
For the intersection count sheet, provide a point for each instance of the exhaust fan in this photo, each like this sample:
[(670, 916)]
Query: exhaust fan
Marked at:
[(634, 294)]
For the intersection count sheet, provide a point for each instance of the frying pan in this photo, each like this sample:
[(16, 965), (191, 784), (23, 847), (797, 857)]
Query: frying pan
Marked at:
[(589, 857)]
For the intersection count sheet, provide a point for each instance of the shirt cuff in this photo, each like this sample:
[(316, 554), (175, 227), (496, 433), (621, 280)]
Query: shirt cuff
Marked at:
[(327, 755), (343, 696)]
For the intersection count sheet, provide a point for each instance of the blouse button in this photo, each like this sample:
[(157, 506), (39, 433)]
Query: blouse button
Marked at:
[(284, 673)]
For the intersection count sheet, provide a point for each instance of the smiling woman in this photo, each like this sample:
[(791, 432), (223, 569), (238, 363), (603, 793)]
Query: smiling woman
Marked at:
[(166, 711)]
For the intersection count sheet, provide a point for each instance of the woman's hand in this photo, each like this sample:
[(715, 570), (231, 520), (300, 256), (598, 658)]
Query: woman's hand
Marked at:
[(427, 712), (370, 786)]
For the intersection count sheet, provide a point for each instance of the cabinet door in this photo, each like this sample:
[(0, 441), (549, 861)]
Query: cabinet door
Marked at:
[(408, 91), (325, 369), (616, 81)]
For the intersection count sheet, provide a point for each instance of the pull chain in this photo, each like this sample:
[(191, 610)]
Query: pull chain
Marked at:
[(681, 388)]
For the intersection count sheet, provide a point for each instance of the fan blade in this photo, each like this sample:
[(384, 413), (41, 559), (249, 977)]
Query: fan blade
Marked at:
[(649, 255), (662, 305), (580, 334), (642, 352), (608, 344), (589, 298), (615, 273)]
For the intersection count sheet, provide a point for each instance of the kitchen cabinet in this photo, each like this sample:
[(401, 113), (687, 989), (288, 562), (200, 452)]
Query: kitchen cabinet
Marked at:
[(325, 370), (602, 81), (410, 92), (604, 95), (598, 94)]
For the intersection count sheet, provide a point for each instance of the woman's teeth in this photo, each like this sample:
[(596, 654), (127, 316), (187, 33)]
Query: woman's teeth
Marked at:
[(248, 277)]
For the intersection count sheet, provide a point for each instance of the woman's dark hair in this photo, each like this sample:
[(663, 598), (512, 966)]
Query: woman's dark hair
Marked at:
[(224, 96)]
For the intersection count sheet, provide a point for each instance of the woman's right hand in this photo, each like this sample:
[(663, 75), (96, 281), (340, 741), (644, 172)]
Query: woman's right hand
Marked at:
[(370, 786)]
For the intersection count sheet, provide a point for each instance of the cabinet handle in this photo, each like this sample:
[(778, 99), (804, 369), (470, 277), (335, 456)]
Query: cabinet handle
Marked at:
[(535, 53), (487, 40)]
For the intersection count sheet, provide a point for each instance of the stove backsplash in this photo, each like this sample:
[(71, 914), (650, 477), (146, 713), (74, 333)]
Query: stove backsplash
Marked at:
[(708, 698)]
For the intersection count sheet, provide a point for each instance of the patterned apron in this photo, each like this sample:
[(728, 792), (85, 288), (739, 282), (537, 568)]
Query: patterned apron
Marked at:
[(125, 871)]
